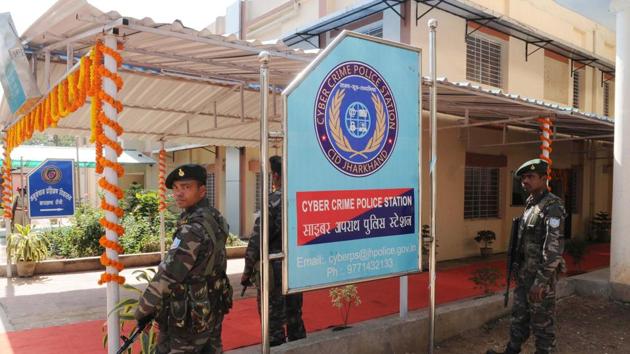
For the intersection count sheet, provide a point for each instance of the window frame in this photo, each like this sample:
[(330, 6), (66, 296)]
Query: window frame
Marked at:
[(502, 60), (473, 209)]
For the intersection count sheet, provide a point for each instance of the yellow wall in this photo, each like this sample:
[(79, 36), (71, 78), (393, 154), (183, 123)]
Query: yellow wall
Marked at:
[(455, 234), (549, 17)]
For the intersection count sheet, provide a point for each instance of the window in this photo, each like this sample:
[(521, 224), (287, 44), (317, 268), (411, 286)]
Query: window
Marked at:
[(481, 192), (607, 99), (373, 29), (577, 82), (210, 189), (483, 61)]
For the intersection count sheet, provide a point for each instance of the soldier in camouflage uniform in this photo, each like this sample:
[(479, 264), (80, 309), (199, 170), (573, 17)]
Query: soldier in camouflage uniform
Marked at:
[(538, 261), (283, 310), (190, 293)]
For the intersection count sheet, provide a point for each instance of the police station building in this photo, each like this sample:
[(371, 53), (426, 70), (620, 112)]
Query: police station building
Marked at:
[(504, 68)]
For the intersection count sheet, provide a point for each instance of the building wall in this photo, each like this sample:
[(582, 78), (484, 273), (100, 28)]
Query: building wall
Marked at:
[(455, 233)]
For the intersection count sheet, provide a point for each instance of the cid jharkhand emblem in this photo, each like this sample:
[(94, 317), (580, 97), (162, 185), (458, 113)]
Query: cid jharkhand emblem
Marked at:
[(51, 174), (356, 119)]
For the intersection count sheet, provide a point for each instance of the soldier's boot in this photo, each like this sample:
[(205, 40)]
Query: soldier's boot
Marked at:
[(508, 350)]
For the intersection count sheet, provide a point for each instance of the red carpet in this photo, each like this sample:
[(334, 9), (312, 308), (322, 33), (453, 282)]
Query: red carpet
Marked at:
[(242, 328)]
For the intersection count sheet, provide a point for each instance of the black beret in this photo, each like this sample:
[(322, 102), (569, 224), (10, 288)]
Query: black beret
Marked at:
[(276, 164), (536, 165), (186, 172)]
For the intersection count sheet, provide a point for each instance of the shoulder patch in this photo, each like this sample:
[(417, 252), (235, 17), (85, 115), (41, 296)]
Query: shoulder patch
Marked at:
[(176, 242), (554, 222)]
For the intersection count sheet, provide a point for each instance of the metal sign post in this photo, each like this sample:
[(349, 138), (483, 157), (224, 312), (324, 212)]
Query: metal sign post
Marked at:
[(433, 170), (264, 212)]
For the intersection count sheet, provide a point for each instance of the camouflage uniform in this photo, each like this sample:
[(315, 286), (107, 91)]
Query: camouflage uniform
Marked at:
[(539, 252), (191, 293), (282, 309)]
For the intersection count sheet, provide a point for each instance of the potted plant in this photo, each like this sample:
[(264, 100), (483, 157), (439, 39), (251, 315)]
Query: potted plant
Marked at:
[(27, 247), (485, 238)]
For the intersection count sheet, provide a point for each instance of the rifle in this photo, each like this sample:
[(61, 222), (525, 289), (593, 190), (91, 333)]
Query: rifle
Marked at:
[(512, 257), (132, 338)]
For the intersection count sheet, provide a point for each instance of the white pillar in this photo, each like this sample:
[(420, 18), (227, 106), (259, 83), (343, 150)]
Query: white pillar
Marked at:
[(113, 296), (620, 241)]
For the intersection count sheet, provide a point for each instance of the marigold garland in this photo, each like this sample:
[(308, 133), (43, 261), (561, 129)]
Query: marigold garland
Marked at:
[(545, 126), (6, 183), (162, 189), (98, 119), (67, 97), (545, 137)]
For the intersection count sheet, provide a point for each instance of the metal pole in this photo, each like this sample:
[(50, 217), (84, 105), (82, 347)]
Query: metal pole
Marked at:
[(264, 213), (433, 97), (47, 70), (69, 57), (78, 189), (113, 296), (216, 119), (20, 196), (243, 102), (404, 295)]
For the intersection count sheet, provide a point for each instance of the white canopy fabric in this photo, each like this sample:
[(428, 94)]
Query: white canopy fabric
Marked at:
[(174, 77)]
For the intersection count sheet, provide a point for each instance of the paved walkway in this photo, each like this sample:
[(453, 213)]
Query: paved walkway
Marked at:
[(51, 300)]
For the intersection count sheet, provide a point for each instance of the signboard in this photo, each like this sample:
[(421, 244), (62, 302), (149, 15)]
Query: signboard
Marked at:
[(351, 174), (51, 189), (20, 87)]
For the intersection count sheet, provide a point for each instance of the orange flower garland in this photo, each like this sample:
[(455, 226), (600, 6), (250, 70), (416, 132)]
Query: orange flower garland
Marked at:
[(162, 189), (6, 183), (67, 97), (545, 126), (98, 120)]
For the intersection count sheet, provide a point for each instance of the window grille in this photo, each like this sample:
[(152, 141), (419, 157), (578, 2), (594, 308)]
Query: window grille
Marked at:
[(483, 61), (577, 80), (607, 99), (210, 189), (481, 192)]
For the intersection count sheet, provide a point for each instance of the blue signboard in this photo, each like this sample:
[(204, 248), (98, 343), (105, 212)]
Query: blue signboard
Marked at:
[(351, 174), (51, 189)]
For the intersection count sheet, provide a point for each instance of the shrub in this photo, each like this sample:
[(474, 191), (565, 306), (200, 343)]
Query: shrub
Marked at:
[(80, 239), (234, 241), (343, 298), (141, 222)]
